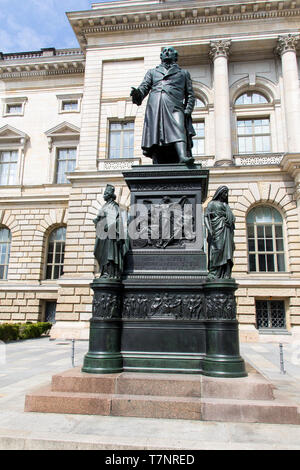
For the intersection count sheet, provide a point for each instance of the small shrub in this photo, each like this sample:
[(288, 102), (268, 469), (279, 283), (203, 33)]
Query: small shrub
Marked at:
[(15, 331), (9, 332)]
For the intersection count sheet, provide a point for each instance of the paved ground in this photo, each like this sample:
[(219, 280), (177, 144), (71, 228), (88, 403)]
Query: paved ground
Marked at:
[(31, 363)]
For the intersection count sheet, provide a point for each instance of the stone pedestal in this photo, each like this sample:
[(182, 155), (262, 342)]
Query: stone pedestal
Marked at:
[(164, 317), (104, 355)]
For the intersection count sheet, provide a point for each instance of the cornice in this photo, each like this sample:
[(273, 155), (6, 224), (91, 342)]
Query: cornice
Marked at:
[(41, 63), (174, 14)]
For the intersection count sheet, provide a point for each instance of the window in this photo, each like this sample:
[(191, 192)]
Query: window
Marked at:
[(270, 314), (14, 109), (50, 311), (199, 139), (8, 167), (199, 103), (69, 103), (5, 240), (14, 106), (66, 161), (254, 135), (121, 140), (265, 240), (56, 253), (251, 97)]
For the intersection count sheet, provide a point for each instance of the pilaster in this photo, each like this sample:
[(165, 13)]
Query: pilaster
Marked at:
[(90, 120)]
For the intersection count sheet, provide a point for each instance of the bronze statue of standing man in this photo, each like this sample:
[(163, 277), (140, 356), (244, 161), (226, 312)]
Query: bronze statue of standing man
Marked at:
[(111, 245), (168, 129), (219, 222)]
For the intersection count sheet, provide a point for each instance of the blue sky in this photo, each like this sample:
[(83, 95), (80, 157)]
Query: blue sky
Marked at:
[(29, 25)]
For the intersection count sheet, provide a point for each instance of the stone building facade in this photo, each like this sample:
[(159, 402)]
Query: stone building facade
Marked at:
[(68, 127)]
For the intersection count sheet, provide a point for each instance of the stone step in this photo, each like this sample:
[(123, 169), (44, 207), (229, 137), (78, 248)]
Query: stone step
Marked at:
[(253, 387), (145, 406), (44, 400)]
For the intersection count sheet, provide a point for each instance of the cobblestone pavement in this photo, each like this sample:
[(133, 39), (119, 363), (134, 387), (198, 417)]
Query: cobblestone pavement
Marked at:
[(28, 364)]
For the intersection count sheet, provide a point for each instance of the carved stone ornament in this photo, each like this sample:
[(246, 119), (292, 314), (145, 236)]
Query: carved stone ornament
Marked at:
[(163, 305), (220, 306), (287, 43), (106, 305), (219, 49)]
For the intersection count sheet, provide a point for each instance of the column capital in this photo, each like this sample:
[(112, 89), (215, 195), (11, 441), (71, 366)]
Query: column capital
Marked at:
[(297, 192), (219, 49), (286, 43)]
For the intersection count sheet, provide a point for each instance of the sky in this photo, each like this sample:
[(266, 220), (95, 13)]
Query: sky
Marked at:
[(29, 25)]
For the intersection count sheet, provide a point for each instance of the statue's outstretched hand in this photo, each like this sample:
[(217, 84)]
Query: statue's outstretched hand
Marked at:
[(136, 96)]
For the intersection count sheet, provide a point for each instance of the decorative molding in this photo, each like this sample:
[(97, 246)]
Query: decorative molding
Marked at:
[(287, 43), (9, 134), (258, 159), (42, 71), (118, 164), (120, 18), (219, 49)]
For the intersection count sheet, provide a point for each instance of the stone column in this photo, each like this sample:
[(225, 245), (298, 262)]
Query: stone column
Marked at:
[(286, 48), (219, 51)]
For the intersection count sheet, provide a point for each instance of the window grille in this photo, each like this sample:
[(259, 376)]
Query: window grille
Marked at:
[(270, 314)]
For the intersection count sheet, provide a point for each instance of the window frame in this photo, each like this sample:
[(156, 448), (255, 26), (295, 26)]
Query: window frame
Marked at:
[(12, 139), (265, 252), (63, 99), (195, 138), (252, 92), (53, 264), (15, 101), (58, 148), (253, 135), (254, 111), (201, 114), (120, 121), (65, 135), (7, 253), (17, 163)]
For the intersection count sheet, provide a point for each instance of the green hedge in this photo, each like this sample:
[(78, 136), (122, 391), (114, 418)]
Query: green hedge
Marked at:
[(16, 331)]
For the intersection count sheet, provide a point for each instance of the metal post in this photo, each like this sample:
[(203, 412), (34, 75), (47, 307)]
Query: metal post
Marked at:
[(73, 352), (282, 370)]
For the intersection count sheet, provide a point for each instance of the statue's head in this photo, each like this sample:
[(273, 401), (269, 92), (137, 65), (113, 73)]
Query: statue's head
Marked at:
[(169, 54), (109, 193), (221, 194)]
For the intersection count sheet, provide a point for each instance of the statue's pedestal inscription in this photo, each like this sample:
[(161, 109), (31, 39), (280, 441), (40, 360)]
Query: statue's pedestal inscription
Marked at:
[(166, 314)]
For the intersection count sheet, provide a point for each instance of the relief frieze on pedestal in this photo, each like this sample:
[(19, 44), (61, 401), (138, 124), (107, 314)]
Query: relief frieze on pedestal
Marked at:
[(220, 306), (163, 305)]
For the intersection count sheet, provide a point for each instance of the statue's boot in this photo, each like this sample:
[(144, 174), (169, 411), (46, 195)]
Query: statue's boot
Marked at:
[(181, 152)]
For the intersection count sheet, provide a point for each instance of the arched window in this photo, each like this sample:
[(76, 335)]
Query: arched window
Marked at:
[(199, 103), (56, 253), (265, 240), (251, 97), (5, 241)]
